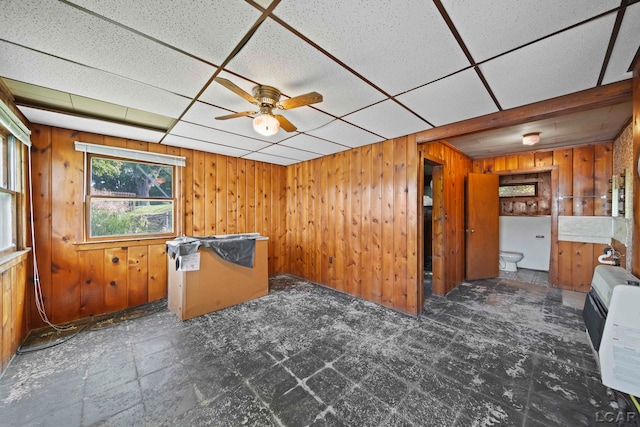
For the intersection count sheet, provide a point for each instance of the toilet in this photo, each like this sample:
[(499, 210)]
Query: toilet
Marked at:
[(509, 260)]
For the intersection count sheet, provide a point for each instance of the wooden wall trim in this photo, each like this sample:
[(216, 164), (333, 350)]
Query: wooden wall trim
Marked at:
[(602, 96)]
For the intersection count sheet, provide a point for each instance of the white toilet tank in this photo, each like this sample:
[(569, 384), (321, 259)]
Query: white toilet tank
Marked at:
[(530, 235)]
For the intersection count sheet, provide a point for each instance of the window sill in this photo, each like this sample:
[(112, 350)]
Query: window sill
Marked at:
[(8, 261), (122, 243)]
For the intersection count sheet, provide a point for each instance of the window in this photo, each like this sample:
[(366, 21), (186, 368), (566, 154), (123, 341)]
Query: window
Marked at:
[(9, 192), (521, 190), (129, 198)]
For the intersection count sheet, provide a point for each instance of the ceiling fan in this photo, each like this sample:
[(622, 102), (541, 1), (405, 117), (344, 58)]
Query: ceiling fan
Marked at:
[(267, 98)]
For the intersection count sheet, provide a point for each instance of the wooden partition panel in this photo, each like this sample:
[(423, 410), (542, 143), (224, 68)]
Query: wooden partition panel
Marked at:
[(217, 195), (13, 328), (456, 166), (353, 225), (583, 172)]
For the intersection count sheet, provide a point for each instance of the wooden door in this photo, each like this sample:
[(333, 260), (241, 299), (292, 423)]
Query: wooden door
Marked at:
[(482, 226), (437, 227)]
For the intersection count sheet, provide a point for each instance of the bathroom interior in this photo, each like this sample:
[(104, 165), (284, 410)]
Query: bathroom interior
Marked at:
[(525, 224)]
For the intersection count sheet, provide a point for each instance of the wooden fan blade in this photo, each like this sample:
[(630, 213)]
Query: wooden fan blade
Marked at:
[(301, 101), (234, 115), (236, 89), (285, 124)]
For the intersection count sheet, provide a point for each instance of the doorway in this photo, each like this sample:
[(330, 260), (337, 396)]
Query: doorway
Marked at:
[(432, 222)]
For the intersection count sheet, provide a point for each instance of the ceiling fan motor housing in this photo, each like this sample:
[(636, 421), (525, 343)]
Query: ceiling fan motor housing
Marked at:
[(267, 96)]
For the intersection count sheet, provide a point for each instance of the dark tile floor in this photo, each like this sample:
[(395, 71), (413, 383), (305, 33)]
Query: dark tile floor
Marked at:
[(493, 352)]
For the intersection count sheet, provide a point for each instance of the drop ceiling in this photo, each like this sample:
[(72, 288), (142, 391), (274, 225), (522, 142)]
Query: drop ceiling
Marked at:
[(145, 69)]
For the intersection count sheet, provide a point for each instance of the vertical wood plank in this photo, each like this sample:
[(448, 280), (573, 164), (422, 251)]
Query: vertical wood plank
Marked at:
[(564, 160), (91, 266), (526, 160), (354, 224), (210, 192), (583, 180), (582, 266), (332, 213), (187, 192), (387, 223), (157, 272), (413, 224), (115, 277), (602, 172), (543, 158), (232, 192), (251, 196), (241, 196), (342, 164), (198, 193), (400, 222), (138, 276), (67, 176), (42, 199), (367, 262), (221, 195)]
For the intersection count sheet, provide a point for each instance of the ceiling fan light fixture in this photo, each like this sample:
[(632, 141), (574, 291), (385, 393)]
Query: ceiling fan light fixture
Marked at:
[(531, 138), (266, 124)]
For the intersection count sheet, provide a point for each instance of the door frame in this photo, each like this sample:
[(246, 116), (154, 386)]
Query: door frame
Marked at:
[(554, 169), (438, 198)]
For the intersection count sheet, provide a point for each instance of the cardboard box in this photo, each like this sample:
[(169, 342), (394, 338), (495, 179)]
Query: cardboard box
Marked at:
[(217, 283)]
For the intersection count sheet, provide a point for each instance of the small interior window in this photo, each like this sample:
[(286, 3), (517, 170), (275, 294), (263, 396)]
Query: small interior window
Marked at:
[(522, 190)]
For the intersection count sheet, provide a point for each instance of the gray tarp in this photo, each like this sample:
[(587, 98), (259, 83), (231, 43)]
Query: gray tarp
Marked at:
[(238, 249)]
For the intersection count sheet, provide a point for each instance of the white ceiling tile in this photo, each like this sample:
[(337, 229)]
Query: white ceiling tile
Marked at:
[(626, 46), (208, 30), (262, 157), (67, 32), (276, 57), (44, 70), (290, 153), (387, 119), (204, 133), (559, 65), (204, 114), (313, 144), (194, 144), (345, 134), (50, 118), (435, 102), (491, 27), (376, 41)]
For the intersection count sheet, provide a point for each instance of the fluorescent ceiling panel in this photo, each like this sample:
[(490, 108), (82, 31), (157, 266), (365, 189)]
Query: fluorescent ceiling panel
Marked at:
[(194, 144), (288, 152), (276, 57), (387, 119), (203, 133), (267, 158), (345, 134), (204, 114), (44, 70), (436, 102), (626, 46), (313, 144), (66, 32), (209, 30), (90, 125), (563, 64), (376, 40), (491, 27)]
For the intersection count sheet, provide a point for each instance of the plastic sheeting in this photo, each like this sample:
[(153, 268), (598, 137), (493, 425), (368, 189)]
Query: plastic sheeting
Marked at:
[(238, 248)]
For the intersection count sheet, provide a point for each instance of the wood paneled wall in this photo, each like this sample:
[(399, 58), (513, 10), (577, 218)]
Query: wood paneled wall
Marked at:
[(219, 195), (582, 171), (456, 166), (13, 328), (352, 222), (540, 204)]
